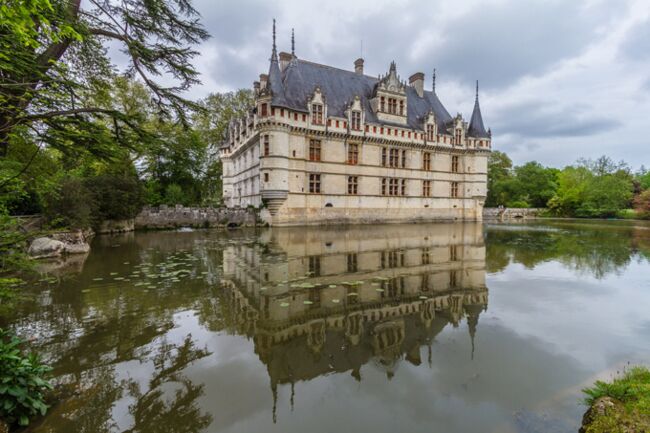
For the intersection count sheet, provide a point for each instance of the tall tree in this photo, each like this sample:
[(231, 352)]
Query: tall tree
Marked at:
[(54, 51)]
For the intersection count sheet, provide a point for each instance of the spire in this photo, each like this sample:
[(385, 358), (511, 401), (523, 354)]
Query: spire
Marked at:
[(274, 52), (293, 44), (275, 77), (393, 66), (476, 128), (434, 80)]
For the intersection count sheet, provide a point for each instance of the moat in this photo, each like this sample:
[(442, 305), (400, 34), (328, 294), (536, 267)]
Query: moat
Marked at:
[(449, 327)]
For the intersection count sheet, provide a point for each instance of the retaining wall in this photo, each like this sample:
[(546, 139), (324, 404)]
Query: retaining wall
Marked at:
[(165, 217), (495, 213)]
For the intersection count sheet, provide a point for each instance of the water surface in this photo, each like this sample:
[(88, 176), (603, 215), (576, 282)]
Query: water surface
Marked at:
[(446, 327)]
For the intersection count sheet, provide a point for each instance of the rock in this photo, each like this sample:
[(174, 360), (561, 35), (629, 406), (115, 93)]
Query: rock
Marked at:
[(41, 248), (608, 415)]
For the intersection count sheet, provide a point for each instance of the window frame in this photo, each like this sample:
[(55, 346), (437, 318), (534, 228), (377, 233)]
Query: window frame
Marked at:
[(314, 183), (314, 150)]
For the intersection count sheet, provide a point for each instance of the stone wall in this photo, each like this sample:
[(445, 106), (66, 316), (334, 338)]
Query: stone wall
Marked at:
[(495, 213), (166, 217)]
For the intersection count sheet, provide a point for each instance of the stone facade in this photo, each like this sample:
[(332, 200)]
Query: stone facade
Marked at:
[(323, 145), (341, 298)]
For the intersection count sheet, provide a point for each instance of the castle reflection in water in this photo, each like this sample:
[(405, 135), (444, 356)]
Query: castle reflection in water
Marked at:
[(323, 300)]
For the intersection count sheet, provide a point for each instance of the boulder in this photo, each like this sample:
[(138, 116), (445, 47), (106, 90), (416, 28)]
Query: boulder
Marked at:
[(41, 248), (116, 226)]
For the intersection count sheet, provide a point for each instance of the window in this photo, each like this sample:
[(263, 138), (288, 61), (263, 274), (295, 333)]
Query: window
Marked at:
[(356, 120), (403, 157), (426, 188), (314, 266), (314, 183), (394, 158), (453, 279), (317, 114), (265, 110), (454, 164), (266, 177), (352, 262), (383, 157), (382, 104), (403, 191), (393, 186), (401, 108), (430, 133), (426, 161), (453, 253), (314, 150), (426, 257), (392, 105), (383, 186), (353, 154), (267, 146), (459, 136), (454, 189), (353, 185)]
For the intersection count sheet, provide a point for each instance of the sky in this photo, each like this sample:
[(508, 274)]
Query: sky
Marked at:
[(559, 80)]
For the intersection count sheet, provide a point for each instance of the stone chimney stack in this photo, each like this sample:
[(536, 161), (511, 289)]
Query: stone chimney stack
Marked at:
[(358, 66), (285, 58), (264, 78), (417, 82), (256, 87)]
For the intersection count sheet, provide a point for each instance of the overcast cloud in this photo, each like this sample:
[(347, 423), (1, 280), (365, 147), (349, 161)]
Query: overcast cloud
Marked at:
[(559, 79)]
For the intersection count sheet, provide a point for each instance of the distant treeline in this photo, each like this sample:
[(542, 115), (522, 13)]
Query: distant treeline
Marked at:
[(598, 188)]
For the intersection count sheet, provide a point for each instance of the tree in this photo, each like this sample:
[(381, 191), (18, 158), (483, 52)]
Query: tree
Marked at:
[(642, 204), (535, 184), (53, 53), (499, 173)]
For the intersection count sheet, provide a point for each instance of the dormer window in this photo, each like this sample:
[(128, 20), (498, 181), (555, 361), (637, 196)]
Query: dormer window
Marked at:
[(430, 133), (382, 104), (459, 136), (265, 110), (356, 120), (401, 108), (317, 114)]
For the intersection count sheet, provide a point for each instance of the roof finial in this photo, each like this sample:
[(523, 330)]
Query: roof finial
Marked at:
[(274, 52), (434, 80), (476, 90), (293, 44)]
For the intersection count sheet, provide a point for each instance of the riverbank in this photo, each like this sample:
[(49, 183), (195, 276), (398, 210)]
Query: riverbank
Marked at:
[(622, 405)]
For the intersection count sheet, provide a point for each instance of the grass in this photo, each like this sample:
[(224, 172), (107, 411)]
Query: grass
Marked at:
[(631, 393)]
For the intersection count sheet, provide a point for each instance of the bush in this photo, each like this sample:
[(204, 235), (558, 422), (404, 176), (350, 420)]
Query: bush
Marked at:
[(174, 195), (520, 204), (22, 382), (116, 197), (71, 205)]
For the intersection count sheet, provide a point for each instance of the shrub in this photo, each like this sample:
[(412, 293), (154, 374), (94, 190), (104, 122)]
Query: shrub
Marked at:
[(70, 205), (116, 196), (22, 382), (519, 204), (174, 195)]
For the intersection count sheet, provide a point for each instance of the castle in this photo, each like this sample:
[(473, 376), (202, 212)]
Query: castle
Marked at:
[(324, 145)]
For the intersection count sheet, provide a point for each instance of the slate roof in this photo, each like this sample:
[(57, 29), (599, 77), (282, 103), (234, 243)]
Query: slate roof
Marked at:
[(293, 87), (476, 127)]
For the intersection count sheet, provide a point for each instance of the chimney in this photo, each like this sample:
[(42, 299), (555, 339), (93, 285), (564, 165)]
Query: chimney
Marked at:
[(358, 66), (263, 80), (417, 82), (256, 87), (285, 58)]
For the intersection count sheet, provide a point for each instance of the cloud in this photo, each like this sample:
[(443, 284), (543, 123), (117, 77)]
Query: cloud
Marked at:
[(559, 79), (540, 118)]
